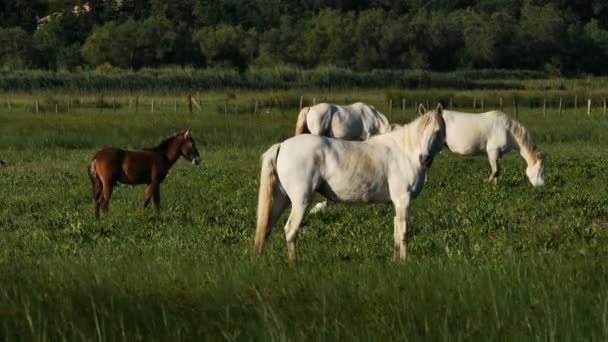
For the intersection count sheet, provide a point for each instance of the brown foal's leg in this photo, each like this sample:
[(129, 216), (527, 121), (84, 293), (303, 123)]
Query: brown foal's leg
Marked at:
[(97, 189), (106, 194), (151, 190), (157, 199)]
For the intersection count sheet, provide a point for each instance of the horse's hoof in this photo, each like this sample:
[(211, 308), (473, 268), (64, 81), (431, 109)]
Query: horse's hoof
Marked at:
[(318, 207)]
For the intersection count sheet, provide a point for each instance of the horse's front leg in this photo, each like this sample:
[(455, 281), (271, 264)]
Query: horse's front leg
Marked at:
[(156, 196), (150, 190), (494, 158), (401, 231)]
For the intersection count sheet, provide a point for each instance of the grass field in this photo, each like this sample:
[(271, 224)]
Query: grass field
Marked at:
[(489, 263)]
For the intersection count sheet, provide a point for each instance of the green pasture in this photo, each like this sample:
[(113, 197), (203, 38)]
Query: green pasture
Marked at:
[(488, 263)]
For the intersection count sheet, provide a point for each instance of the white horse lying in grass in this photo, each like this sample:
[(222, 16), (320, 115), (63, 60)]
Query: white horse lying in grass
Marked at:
[(357, 121), (386, 168), (493, 133)]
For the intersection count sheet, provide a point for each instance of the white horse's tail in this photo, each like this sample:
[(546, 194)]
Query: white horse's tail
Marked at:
[(268, 178), (301, 125)]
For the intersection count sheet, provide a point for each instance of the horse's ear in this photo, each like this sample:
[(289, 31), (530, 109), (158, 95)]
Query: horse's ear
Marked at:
[(187, 134), (421, 109), (439, 109)]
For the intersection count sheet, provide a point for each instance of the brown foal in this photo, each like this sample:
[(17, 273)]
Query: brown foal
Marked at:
[(147, 166)]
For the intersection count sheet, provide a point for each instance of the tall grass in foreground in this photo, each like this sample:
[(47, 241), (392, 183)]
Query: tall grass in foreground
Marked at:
[(152, 298)]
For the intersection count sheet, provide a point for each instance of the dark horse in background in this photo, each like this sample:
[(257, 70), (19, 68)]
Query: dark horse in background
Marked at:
[(147, 166)]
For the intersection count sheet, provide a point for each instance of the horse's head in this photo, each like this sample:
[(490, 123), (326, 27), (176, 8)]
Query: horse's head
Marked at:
[(188, 148), (536, 171), (432, 128)]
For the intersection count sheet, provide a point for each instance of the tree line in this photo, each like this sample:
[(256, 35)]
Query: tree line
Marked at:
[(438, 35)]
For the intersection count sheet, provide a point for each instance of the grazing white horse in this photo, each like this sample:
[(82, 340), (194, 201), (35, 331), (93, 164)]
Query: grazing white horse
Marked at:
[(386, 168), (357, 121), (494, 134)]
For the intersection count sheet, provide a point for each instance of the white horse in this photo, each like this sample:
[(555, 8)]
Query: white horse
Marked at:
[(493, 133), (386, 168), (357, 121)]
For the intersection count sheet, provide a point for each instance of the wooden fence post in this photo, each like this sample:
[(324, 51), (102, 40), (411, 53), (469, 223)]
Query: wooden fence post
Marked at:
[(8, 101), (226, 106), (175, 105), (544, 106), (189, 99), (589, 107), (113, 103), (575, 103), (604, 100), (390, 106), (482, 104), (56, 109), (69, 104), (561, 103), (515, 106), (152, 106), (301, 100), (500, 102), (427, 104), (451, 102), (255, 108), (403, 105), (37, 105), (136, 103), (314, 101), (474, 103)]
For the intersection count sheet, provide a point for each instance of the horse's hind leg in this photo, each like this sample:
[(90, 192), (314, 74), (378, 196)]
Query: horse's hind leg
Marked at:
[(97, 189), (106, 194), (279, 203), (298, 210), (494, 158)]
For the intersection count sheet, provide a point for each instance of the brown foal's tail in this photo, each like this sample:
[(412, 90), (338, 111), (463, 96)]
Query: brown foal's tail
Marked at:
[(268, 178), (95, 181), (301, 126)]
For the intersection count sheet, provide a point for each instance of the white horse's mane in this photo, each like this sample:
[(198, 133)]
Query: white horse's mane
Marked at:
[(519, 132), (408, 133)]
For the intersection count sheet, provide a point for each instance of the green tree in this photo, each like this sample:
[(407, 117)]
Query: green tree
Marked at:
[(113, 44), (155, 39), (368, 37), (542, 30), (226, 45), (15, 48), (47, 41)]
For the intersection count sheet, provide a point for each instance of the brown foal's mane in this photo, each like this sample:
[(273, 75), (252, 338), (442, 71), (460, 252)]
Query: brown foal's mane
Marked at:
[(163, 146)]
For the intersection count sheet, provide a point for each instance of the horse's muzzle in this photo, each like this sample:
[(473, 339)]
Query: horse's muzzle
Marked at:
[(425, 160), (196, 161)]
